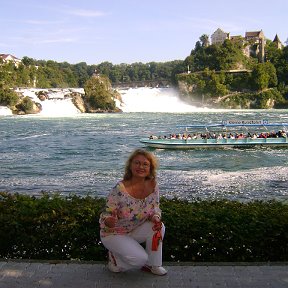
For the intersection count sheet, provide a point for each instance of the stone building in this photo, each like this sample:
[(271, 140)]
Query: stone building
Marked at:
[(219, 36), (10, 58), (253, 42), (256, 43)]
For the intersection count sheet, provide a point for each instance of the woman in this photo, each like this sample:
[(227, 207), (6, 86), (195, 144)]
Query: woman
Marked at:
[(132, 216)]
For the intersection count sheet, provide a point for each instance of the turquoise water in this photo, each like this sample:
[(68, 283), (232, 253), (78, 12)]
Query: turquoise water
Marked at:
[(85, 154)]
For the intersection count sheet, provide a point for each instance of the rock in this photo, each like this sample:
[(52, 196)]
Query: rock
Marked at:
[(78, 101)]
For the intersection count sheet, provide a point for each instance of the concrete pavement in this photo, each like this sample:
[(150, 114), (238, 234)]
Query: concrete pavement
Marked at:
[(30, 274)]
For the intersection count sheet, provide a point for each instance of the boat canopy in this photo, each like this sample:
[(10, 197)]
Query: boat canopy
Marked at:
[(236, 123)]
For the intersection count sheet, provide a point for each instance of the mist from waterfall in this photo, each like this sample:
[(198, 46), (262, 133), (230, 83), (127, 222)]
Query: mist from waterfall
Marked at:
[(147, 99)]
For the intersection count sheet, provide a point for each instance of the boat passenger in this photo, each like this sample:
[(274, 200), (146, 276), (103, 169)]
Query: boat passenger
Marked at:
[(220, 136), (173, 136), (152, 137), (231, 136), (262, 135), (254, 136)]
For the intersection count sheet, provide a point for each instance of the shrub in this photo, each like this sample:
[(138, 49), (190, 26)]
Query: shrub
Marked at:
[(99, 93), (50, 227), (225, 231), (26, 105), (8, 97), (53, 227)]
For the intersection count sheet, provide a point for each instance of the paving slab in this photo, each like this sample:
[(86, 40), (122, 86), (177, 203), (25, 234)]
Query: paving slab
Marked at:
[(30, 274)]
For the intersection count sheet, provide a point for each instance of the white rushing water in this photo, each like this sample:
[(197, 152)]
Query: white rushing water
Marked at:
[(58, 107), (57, 104), (147, 99), (5, 111), (142, 99)]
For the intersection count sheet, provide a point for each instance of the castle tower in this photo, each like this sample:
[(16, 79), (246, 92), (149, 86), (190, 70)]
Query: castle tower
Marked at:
[(277, 42)]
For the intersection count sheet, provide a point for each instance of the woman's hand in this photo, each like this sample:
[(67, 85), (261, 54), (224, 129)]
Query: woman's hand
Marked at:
[(157, 222), (156, 219), (110, 221)]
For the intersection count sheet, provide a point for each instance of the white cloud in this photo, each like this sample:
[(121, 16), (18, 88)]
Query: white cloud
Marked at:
[(59, 40), (42, 22), (87, 13)]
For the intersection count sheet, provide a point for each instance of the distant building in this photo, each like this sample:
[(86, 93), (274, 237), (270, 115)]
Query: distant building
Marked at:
[(10, 58), (253, 42), (219, 36), (256, 41), (277, 42)]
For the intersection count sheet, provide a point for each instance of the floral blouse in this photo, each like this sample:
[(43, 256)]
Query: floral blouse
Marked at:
[(131, 212)]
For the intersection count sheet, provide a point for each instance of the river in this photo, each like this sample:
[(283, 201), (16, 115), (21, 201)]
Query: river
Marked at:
[(84, 154)]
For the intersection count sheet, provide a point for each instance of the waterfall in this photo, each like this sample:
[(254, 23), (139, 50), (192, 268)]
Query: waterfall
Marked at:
[(58, 107), (147, 99), (143, 99), (5, 111), (56, 104)]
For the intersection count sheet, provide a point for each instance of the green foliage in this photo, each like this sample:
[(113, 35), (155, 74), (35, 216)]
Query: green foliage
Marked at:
[(208, 82), (53, 227), (264, 76), (271, 94), (99, 94), (50, 227), (225, 231), (47, 74), (140, 71), (260, 100), (8, 97), (279, 58), (26, 105), (227, 56)]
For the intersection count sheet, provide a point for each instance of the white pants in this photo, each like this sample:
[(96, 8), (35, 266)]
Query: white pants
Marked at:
[(127, 251)]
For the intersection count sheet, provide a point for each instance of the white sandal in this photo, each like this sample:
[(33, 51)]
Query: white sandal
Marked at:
[(157, 270)]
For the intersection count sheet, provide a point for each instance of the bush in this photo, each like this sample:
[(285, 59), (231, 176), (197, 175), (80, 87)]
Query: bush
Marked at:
[(225, 231), (99, 93), (8, 97), (53, 227), (26, 105), (50, 227)]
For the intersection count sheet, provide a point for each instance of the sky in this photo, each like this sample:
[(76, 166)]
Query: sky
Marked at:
[(128, 31)]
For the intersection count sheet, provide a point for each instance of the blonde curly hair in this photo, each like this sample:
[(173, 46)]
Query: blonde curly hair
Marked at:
[(149, 156)]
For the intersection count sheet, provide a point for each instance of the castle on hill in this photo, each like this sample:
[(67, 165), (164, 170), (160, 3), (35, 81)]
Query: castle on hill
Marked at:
[(253, 42)]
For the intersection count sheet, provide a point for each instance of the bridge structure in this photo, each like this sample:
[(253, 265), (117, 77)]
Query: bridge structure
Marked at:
[(143, 83)]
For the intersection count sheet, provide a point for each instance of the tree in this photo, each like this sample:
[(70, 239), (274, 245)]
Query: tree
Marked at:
[(26, 105), (264, 76), (99, 94), (204, 39), (82, 75), (28, 61), (8, 97)]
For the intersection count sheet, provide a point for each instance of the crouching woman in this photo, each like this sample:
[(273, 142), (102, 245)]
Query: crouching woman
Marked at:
[(132, 216)]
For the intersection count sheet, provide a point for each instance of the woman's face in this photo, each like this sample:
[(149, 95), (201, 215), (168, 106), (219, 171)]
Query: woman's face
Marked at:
[(140, 166)]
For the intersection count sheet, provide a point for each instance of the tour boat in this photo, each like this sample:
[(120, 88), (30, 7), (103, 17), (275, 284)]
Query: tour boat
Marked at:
[(229, 133)]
